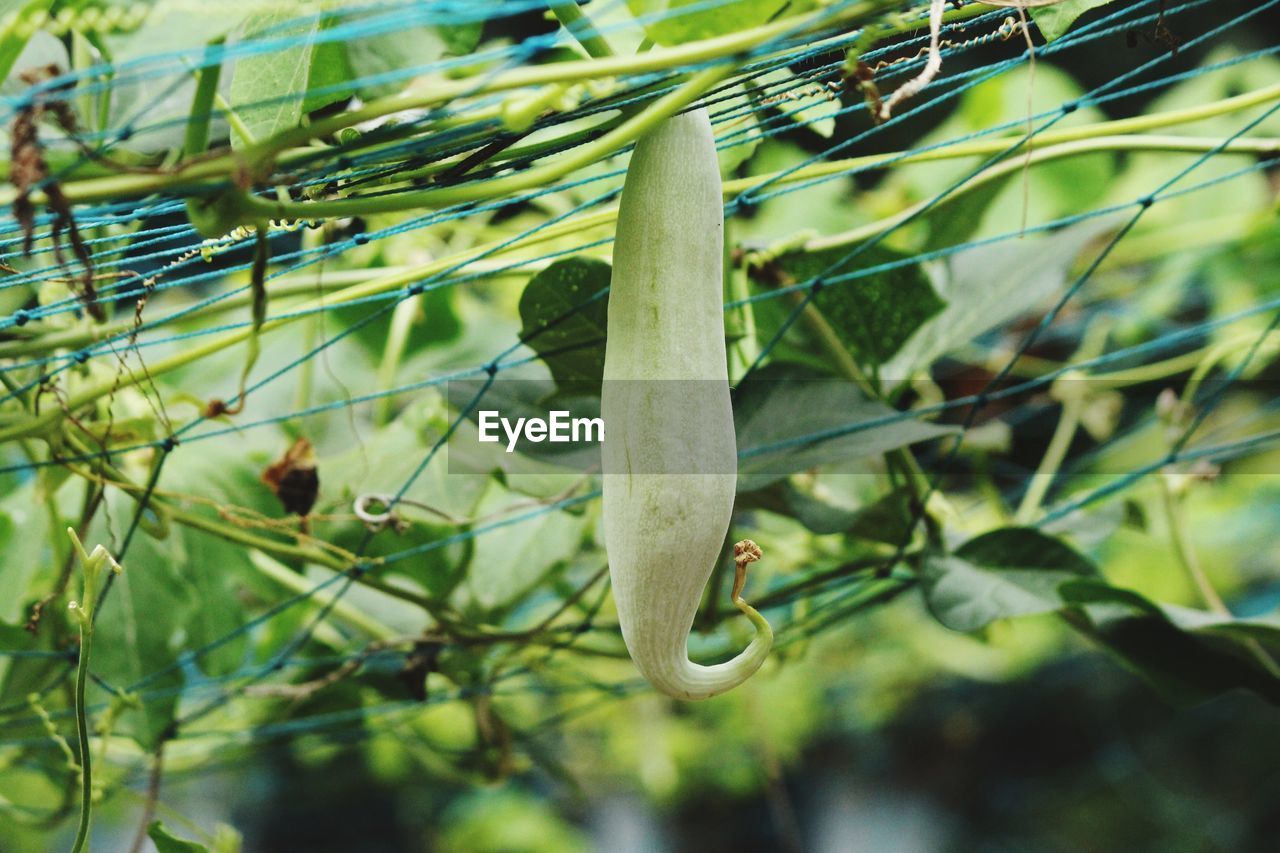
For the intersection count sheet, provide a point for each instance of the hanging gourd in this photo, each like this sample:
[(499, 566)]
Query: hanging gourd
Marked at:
[(670, 454)]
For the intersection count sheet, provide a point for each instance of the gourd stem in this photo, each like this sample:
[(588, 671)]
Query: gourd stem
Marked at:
[(745, 553)]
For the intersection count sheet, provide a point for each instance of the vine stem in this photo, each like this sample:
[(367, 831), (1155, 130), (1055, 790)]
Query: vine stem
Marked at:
[(257, 159), (253, 207), (1120, 134), (579, 26), (93, 564), (402, 320), (82, 733), (1071, 148), (1074, 396)]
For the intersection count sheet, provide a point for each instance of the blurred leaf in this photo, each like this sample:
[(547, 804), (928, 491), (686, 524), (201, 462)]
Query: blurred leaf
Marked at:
[(986, 286), (502, 820), (1055, 20), (953, 223), (215, 569), (167, 842), (785, 404), (21, 676), (565, 317), (24, 554), (1188, 662), (873, 315), (824, 207), (435, 322), (1099, 595), (395, 55), (1263, 628), (1044, 192), (12, 37), (141, 630), (379, 467)]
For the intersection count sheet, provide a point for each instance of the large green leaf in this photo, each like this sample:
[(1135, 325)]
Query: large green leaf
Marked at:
[(268, 89), (986, 286), (565, 316), (1103, 600), (403, 50), (329, 70), (1025, 548), (783, 415), (874, 315), (225, 840), (24, 532), (215, 569), (1186, 666), (380, 466), (999, 575), (140, 633), (505, 568)]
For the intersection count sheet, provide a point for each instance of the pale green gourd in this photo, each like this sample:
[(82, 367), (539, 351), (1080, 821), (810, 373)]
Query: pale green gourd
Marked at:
[(670, 455)]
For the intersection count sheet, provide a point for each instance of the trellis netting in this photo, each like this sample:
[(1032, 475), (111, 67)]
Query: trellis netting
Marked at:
[(254, 250)]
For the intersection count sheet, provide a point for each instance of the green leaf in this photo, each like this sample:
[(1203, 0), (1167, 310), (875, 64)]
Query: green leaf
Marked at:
[(1104, 599), (885, 519), (954, 223), (378, 466), (773, 442), (875, 315), (504, 570), (215, 569), (1186, 655), (12, 40), (1263, 628), (329, 70), (435, 322), (167, 842), (1055, 20), (404, 50), (999, 575), (139, 632), (986, 286), (25, 554), (668, 24), (268, 89), (1025, 548), (563, 323)]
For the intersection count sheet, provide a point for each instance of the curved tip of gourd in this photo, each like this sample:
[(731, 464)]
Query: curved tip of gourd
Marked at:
[(692, 681)]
